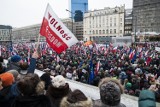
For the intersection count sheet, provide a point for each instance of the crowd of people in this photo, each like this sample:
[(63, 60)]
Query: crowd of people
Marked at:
[(134, 70)]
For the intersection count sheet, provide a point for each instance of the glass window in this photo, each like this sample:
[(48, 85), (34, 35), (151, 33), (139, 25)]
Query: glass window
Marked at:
[(110, 31), (99, 31)]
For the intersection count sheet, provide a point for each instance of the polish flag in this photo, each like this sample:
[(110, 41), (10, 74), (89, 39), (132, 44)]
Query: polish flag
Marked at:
[(58, 36), (57, 58), (131, 54), (97, 67)]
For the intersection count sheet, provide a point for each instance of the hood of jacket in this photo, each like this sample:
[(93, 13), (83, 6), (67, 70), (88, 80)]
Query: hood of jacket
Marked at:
[(65, 103), (147, 99)]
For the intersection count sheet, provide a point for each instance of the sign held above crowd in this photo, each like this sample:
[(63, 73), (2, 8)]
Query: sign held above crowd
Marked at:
[(58, 36)]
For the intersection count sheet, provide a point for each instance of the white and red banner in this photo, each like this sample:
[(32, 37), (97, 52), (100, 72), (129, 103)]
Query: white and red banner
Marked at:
[(58, 36)]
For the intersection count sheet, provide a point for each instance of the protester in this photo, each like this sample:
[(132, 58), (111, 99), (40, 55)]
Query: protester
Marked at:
[(110, 93), (14, 63), (57, 90), (31, 93), (8, 90), (147, 99), (76, 99)]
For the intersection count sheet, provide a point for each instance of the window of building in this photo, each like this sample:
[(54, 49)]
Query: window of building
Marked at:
[(114, 20), (96, 31), (93, 32), (120, 31), (110, 31), (114, 30), (114, 24), (121, 19), (120, 24), (99, 31), (103, 31), (107, 31)]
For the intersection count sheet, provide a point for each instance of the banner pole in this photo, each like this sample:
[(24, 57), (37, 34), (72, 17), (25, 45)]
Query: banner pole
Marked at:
[(37, 45)]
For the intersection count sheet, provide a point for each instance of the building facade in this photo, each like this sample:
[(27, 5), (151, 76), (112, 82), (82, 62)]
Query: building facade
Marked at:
[(75, 27), (5, 35), (31, 33), (146, 16), (103, 23), (27, 34), (78, 5), (78, 28), (128, 22)]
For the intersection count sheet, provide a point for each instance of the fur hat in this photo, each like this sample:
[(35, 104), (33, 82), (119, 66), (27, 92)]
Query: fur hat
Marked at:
[(58, 81), (7, 79), (110, 91), (58, 88), (76, 99), (15, 58)]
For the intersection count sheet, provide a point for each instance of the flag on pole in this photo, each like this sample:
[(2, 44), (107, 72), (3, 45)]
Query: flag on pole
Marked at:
[(58, 36), (91, 73), (97, 68)]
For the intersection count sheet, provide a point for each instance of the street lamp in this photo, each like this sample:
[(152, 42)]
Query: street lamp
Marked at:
[(135, 29), (71, 17)]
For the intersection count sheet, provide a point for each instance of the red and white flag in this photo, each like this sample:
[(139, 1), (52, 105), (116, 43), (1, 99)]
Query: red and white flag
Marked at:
[(97, 67), (58, 36)]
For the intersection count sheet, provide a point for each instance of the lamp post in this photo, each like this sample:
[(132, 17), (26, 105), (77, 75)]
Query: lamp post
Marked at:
[(71, 17), (135, 29)]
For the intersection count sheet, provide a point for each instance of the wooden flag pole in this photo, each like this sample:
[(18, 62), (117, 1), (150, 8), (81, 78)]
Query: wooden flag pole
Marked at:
[(37, 45)]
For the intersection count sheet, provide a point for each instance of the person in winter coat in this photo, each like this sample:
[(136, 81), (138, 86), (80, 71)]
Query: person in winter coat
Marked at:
[(9, 89), (16, 62), (57, 90), (147, 99), (76, 99), (110, 93), (31, 93)]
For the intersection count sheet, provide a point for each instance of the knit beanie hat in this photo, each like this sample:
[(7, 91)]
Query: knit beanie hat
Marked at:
[(7, 79), (15, 58), (110, 91), (128, 85)]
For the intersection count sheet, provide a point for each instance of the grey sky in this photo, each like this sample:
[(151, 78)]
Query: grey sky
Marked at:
[(19, 13)]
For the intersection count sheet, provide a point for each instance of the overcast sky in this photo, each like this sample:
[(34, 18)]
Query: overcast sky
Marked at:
[(20, 13)]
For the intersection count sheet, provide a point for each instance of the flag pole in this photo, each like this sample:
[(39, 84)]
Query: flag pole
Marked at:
[(37, 45)]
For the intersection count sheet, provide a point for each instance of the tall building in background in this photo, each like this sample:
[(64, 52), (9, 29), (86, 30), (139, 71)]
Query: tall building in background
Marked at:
[(99, 25), (128, 22), (5, 35), (75, 6), (146, 16)]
